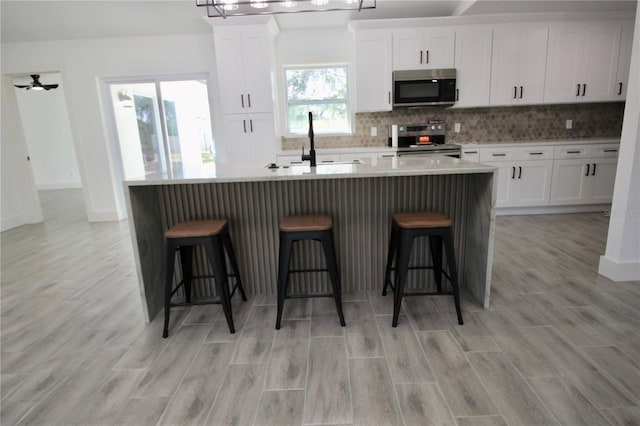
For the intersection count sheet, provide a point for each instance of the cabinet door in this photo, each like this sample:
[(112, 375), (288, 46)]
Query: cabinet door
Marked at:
[(408, 51), (256, 53), (564, 59), (230, 72), (506, 182), (504, 66), (600, 61), (534, 182), (603, 179), (261, 129), (532, 65), (234, 141), (624, 61), (473, 65), (373, 71), (569, 184), (438, 48)]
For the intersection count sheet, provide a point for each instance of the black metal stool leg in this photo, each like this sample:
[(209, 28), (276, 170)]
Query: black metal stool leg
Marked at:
[(332, 264), (453, 271), (226, 239), (215, 252), (402, 267), (283, 274), (435, 243), (393, 242), (186, 261), (171, 254)]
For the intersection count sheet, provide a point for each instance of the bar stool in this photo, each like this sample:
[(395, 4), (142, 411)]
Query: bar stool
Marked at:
[(308, 227), (214, 235), (404, 228)]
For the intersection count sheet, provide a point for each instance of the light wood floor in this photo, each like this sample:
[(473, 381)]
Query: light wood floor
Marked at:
[(560, 344)]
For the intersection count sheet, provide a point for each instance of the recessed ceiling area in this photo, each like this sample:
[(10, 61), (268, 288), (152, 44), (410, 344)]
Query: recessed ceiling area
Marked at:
[(27, 21)]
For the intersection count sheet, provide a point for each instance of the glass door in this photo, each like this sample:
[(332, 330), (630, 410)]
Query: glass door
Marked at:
[(164, 128)]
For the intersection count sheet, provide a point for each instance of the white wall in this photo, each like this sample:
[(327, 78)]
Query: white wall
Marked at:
[(82, 64), (45, 123), (19, 203), (621, 261)]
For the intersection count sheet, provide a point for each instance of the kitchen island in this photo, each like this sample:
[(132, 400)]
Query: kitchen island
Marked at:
[(359, 196)]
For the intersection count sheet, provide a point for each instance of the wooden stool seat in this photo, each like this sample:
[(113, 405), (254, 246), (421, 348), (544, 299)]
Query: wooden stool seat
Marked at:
[(316, 222), (196, 228), (421, 220), (308, 227), (405, 227)]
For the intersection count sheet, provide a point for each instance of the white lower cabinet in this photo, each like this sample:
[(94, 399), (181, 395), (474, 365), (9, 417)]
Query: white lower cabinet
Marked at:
[(523, 183), (248, 139), (583, 181)]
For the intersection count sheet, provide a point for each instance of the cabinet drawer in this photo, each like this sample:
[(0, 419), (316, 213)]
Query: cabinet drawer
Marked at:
[(571, 151), (470, 154), (604, 150), (498, 154), (534, 153)]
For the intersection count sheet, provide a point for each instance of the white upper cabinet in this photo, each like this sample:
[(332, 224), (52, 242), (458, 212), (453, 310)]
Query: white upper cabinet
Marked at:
[(244, 57), (582, 61), (418, 48), (518, 64), (373, 71), (473, 65), (624, 61)]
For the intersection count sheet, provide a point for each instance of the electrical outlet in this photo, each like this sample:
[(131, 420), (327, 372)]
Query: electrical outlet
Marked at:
[(569, 124), (456, 127), (374, 131)]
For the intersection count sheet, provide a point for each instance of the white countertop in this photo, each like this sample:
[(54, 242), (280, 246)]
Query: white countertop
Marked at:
[(380, 167)]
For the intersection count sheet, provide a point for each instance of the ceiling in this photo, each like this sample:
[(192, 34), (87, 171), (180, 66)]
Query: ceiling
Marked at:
[(25, 21)]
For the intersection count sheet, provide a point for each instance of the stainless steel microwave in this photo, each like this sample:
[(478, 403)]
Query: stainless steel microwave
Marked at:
[(418, 88)]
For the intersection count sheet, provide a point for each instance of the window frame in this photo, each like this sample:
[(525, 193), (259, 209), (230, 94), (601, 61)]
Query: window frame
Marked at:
[(346, 100)]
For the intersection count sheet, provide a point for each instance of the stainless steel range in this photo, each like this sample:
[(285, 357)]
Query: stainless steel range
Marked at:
[(425, 138)]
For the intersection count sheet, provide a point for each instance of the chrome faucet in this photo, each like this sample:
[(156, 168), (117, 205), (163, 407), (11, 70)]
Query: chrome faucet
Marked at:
[(312, 151)]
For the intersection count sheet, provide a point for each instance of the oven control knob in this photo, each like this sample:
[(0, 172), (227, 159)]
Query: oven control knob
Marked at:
[(439, 126), (433, 127)]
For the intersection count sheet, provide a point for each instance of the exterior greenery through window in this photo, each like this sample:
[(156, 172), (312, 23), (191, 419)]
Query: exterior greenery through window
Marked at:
[(321, 90)]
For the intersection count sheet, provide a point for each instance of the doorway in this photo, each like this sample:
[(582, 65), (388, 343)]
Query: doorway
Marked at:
[(163, 128)]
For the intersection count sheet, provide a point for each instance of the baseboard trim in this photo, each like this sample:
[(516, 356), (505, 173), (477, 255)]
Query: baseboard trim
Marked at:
[(12, 222), (515, 211), (104, 216), (619, 271), (67, 185)]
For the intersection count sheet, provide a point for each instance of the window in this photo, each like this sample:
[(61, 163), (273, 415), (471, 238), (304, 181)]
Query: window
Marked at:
[(323, 91)]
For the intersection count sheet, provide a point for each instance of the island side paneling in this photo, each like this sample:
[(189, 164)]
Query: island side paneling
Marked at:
[(361, 209)]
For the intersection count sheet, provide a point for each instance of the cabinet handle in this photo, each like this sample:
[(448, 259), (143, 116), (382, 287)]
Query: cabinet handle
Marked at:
[(513, 172), (389, 97), (593, 172), (519, 172), (249, 99), (619, 89), (584, 89), (327, 161), (536, 153), (388, 155), (588, 165), (421, 56), (457, 94), (574, 152), (242, 100), (244, 124), (611, 150), (427, 56), (515, 92), (578, 91), (470, 152), (499, 155), (251, 125), (521, 91)]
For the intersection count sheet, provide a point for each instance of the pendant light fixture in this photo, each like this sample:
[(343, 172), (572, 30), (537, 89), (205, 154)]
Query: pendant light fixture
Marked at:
[(225, 8)]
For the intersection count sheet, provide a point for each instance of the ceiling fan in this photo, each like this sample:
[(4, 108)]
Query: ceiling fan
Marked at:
[(36, 85)]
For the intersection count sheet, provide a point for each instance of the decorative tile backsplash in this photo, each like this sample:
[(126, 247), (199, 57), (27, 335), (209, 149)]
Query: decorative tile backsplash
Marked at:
[(486, 125)]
